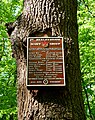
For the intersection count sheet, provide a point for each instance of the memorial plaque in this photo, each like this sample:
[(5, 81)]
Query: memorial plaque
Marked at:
[(45, 61)]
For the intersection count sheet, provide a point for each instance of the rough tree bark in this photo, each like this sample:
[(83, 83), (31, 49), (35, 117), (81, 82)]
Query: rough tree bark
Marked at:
[(59, 18)]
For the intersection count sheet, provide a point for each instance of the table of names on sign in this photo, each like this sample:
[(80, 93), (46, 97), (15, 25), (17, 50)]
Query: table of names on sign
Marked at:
[(45, 61)]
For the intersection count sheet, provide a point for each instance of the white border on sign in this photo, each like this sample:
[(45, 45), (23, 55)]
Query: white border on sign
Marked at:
[(63, 62)]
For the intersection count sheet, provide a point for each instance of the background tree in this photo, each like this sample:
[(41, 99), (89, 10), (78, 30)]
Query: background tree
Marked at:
[(86, 21), (59, 18)]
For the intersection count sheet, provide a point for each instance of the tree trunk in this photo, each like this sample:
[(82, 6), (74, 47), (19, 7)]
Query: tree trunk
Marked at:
[(59, 18)]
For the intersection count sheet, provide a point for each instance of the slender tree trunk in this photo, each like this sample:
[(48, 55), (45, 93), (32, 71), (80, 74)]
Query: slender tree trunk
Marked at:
[(59, 18)]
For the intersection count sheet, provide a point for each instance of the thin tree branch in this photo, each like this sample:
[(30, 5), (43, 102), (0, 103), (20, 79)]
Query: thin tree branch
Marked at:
[(88, 104)]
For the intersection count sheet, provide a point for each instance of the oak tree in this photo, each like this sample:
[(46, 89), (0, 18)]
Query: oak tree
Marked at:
[(53, 18)]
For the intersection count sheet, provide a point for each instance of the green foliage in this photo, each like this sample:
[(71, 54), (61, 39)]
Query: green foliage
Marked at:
[(86, 21), (7, 81), (9, 11)]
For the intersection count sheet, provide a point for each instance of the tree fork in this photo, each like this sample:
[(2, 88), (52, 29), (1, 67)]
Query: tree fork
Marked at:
[(57, 18)]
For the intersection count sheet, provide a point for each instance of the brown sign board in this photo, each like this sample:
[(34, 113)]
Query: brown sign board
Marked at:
[(45, 61)]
